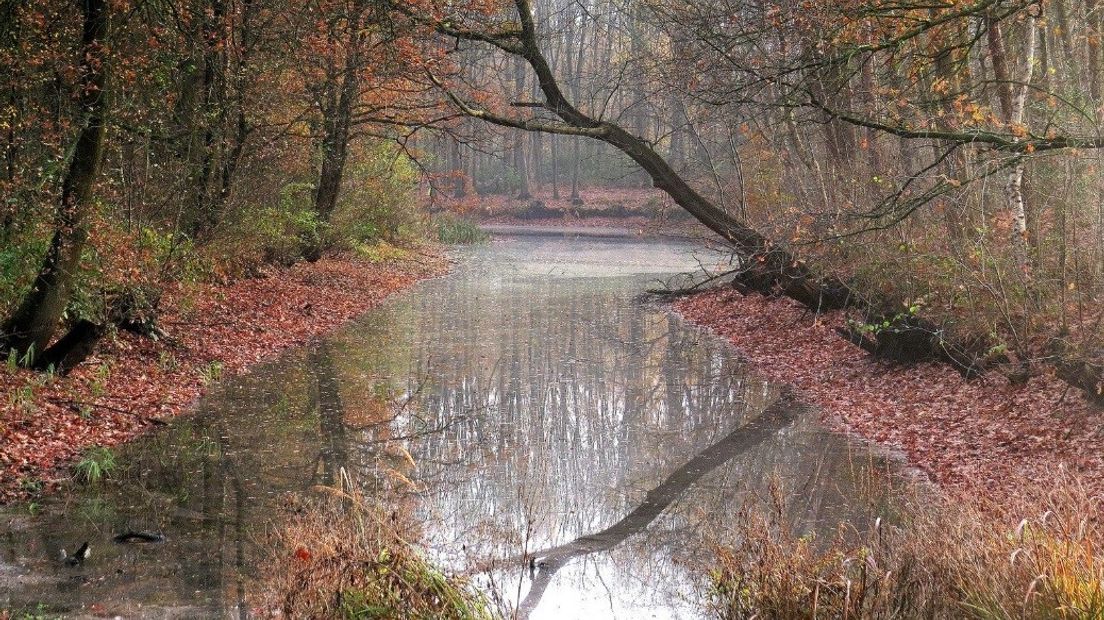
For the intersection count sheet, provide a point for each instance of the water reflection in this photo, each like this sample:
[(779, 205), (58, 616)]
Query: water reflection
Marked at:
[(546, 414)]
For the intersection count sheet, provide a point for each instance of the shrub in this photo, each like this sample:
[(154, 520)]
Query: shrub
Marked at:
[(280, 233), (377, 197), (20, 256)]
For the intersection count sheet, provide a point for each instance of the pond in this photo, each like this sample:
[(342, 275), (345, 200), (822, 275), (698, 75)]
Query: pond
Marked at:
[(531, 404)]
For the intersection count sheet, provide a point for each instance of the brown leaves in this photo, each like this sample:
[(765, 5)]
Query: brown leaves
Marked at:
[(984, 434), (132, 383)]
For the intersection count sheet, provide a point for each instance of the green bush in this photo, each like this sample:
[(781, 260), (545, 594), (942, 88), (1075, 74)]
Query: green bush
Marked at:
[(377, 200), (20, 256), (280, 233), (292, 227)]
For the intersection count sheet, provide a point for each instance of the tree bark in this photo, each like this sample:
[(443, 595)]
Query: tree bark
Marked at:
[(202, 218), (521, 166), (35, 321), (1015, 177), (336, 123)]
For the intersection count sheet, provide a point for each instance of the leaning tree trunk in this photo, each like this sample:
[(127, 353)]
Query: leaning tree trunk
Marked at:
[(34, 322), (767, 266)]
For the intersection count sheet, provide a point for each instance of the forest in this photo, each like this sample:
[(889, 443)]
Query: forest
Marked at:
[(193, 185)]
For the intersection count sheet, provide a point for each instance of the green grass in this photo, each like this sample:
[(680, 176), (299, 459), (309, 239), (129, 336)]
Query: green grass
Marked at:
[(97, 463), (210, 373), (379, 252), (457, 231)]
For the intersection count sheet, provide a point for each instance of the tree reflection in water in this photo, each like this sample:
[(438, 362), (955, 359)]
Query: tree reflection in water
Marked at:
[(543, 404)]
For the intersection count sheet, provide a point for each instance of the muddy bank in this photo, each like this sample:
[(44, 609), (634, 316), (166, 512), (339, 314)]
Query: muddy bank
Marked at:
[(132, 384), (984, 435)]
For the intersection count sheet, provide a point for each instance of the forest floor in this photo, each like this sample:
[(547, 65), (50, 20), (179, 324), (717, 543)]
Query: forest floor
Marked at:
[(980, 436), (133, 384)]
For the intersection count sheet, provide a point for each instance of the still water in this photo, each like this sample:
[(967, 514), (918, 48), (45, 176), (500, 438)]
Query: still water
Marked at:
[(532, 405)]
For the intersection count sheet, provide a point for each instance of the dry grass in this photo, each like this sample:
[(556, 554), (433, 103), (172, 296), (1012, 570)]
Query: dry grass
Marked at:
[(1036, 557), (344, 556)]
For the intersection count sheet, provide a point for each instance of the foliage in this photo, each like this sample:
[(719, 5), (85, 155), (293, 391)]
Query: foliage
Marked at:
[(281, 232), (377, 201), (381, 252), (19, 258)]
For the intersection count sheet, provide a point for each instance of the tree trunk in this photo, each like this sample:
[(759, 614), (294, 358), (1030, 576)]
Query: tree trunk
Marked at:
[(1000, 66), (459, 188), (36, 319), (553, 141), (1015, 177), (336, 124), (521, 166), (576, 199), (1092, 42), (202, 219), (241, 126)]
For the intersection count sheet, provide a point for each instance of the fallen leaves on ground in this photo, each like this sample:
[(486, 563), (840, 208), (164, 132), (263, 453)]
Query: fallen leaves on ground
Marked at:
[(132, 384), (982, 435)]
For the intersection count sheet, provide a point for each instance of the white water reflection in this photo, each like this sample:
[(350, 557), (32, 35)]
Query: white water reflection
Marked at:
[(543, 403)]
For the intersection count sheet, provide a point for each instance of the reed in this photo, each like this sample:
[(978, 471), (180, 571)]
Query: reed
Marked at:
[(1033, 556), (344, 556)]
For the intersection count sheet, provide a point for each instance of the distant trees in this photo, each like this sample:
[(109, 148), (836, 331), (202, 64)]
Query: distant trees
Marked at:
[(939, 156), (922, 153)]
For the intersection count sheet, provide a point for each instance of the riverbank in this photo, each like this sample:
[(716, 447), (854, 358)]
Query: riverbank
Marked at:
[(980, 436), (644, 212), (132, 384)]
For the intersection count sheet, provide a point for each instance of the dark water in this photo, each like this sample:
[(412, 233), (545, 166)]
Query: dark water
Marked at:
[(544, 411)]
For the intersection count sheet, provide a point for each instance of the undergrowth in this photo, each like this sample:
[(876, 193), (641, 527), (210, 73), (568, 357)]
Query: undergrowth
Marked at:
[(1032, 558), (345, 556)]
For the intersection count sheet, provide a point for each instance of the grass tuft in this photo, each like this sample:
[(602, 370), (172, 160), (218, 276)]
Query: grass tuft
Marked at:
[(379, 252), (457, 231), (97, 463), (343, 556)]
